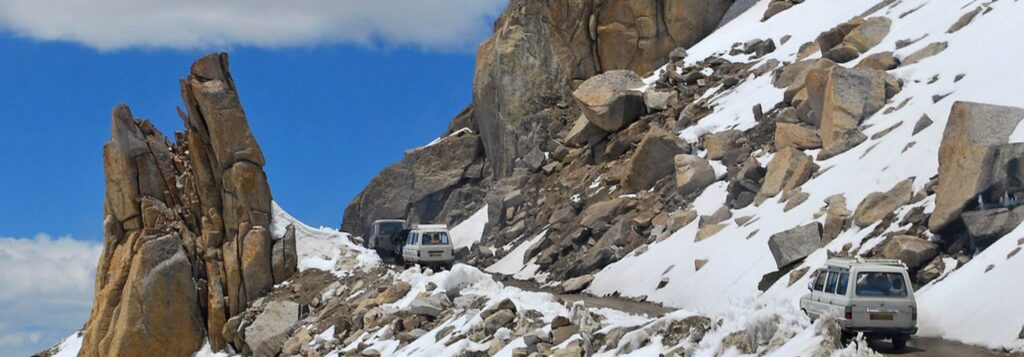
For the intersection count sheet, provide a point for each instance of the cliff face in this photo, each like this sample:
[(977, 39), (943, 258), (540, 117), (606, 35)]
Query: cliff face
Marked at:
[(187, 240), (538, 52)]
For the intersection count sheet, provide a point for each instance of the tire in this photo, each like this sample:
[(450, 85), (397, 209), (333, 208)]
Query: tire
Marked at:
[(899, 342)]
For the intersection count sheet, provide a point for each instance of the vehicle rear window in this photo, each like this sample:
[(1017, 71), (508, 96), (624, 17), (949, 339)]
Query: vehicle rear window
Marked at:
[(435, 238), (389, 228), (879, 284), (844, 281)]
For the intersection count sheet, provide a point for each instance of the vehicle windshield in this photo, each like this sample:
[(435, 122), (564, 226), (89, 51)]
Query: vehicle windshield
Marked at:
[(435, 238), (879, 284), (389, 228)]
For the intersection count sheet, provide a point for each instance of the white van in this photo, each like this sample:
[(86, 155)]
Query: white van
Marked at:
[(873, 296), (428, 244)]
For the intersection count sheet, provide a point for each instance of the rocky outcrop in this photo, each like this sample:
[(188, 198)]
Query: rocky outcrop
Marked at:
[(973, 157), (539, 48), (420, 188), (186, 229)]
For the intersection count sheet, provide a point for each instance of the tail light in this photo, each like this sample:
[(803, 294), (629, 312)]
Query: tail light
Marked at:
[(913, 312), (849, 313)]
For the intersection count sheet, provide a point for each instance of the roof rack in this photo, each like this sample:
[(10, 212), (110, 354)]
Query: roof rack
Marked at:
[(430, 226), (861, 260)]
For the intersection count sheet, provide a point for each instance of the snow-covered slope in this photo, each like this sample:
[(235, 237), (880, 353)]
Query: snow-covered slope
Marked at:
[(323, 248), (986, 53)]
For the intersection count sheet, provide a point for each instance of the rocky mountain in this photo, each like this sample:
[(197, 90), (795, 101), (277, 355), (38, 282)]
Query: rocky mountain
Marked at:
[(633, 177)]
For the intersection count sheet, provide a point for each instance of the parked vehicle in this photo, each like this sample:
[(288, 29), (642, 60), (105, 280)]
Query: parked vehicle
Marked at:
[(872, 296), (381, 233), (427, 244)]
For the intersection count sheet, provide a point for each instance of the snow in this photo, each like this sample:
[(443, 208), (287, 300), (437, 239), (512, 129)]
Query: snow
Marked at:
[(470, 231), (70, 346), (976, 305), (738, 256), (323, 248), (513, 262)]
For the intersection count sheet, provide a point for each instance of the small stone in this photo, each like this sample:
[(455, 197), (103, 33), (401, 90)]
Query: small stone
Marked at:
[(699, 263), (928, 51), (923, 123)]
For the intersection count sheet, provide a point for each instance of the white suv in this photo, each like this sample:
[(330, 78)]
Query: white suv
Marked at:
[(428, 244), (873, 296)]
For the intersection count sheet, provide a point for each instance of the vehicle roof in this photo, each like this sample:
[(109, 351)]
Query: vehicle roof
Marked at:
[(867, 264), (430, 227), (389, 221)]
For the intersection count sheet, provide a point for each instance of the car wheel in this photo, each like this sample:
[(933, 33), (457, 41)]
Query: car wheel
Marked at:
[(899, 342)]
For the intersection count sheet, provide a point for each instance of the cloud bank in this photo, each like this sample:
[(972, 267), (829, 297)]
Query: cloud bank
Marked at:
[(201, 24), (46, 288)]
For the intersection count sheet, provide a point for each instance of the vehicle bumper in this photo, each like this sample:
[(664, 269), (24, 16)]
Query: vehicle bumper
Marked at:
[(877, 331)]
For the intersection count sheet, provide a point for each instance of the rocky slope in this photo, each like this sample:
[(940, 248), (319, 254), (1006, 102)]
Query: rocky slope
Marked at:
[(524, 75), (187, 240), (798, 131)]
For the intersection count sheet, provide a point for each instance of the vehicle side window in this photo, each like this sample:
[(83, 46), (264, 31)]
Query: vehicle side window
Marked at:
[(819, 284), (830, 285), (844, 281), (413, 237)]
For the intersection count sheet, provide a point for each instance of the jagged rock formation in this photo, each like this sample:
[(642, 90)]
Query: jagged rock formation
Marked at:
[(187, 240)]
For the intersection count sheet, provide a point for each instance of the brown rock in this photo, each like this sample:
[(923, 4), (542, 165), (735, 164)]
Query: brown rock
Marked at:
[(869, 34), (879, 204), (775, 8), (693, 174), (720, 143), (396, 291), (848, 96), (911, 250), (648, 163), (160, 271), (796, 136), (837, 218), (611, 100), (882, 61), (788, 169)]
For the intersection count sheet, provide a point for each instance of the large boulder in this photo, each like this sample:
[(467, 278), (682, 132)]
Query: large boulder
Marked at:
[(650, 161), (796, 136), (271, 328), (837, 218), (911, 250), (879, 204), (841, 98), (869, 34), (539, 47), (975, 136), (795, 244), (992, 223), (611, 100), (186, 226), (693, 174), (788, 169)]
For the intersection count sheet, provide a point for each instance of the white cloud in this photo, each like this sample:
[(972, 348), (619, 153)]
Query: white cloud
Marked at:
[(46, 290), (200, 24)]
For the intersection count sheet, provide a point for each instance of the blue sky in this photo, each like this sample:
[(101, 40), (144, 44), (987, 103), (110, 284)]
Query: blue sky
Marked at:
[(333, 93)]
